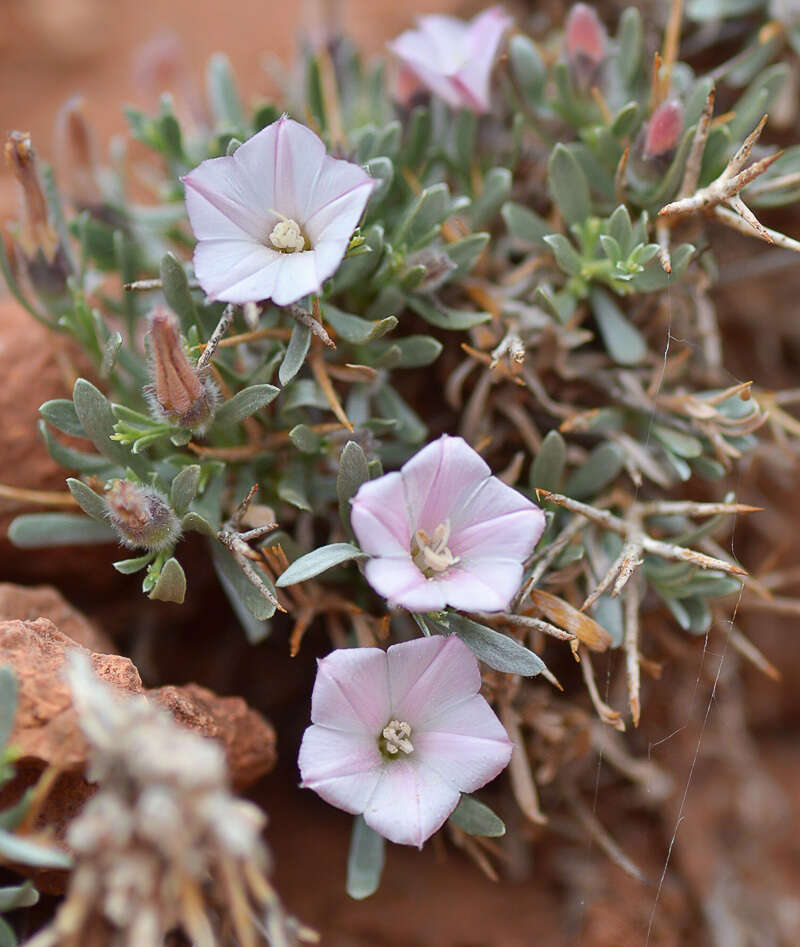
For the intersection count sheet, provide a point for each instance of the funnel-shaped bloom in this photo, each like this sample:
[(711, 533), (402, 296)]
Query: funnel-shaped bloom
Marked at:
[(444, 531), (397, 735), (454, 59), (274, 219)]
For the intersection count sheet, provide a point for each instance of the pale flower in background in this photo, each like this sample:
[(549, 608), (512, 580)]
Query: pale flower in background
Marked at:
[(443, 531), (398, 735), (454, 59), (274, 219)]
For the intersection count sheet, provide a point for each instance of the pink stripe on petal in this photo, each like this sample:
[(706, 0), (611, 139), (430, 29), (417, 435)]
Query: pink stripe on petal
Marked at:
[(409, 803), (512, 535), (483, 585), (492, 499), (428, 675), (340, 206), (235, 271), (470, 718), (341, 770), (351, 691), (217, 182)]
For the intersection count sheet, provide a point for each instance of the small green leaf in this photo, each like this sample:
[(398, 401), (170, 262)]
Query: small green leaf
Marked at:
[(414, 351), (443, 317), (527, 67), (680, 443), (623, 341), (353, 471), (8, 703), (62, 415), (240, 590), (548, 467), (364, 861), (524, 224), (131, 566), (568, 185), (245, 402), (495, 649), (353, 328), (24, 851), (18, 896), (223, 96), (91, 504), (475, 818), (306, 440), (630, 39), (495, 191), (602, 466), (296, 352), (318, 561), (565, 254), (43, 530), (97, 419), (171, 584), (176, 290), (184, 488)]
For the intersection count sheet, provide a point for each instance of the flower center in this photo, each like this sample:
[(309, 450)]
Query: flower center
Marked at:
[(432, 555), (287, 236), (394, 739)]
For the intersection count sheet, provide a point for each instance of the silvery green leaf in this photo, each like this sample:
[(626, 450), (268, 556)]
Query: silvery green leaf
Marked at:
[(622, 340), (111, 350), (7, 936), (75, 459), (291, 489), (680, 443), (443, 317), (416, 351), (355, 269), (246, 402), (679, 465), (465, 252), (527, 67), (91, 504), (175, 286), (560, 305), (611, 248), (466, 127), (18, 896), (130, 566), (296, 352), (524, 224), (97, 420), (43, 530), (568, 185), (239, 589), (353, 471), (708, 468), (171, 583), (475, 818), (223, 96), (418, 134), (654, 276), (62, 415), (318, 561), (410, 429), (355, 329), (306, 440), (607, 611), (757, 100), (625, 120), (621, 229), (630, 42), (547, 470), (364, 860), (712, 585), (184, 488), (495, 649), (496, 188), (8, 702), (565, 254), (382, 170), (24, 851), (699, 615), (602, 466), (194, 522), (428, 211)]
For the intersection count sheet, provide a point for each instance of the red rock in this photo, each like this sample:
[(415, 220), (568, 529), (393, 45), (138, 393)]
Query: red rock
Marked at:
[(43, 601)]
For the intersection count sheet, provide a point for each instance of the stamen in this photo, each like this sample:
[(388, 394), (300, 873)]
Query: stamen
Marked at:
[(396, 738), (287, 236), (432, 555)]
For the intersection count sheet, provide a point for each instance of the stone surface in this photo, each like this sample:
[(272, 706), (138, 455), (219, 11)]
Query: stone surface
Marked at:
[(46, 731), (43, 601)]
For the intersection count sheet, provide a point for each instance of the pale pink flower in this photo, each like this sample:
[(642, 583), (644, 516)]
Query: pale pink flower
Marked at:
[(443, 531), (398, 735), (274, 219), (454, 59)]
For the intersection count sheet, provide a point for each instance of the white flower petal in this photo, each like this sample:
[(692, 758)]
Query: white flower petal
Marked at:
[(472, 587), (378, 517), (351, 691), (340, 198), (409, 803), (491, 500), (428, 676), (466, 744), (236, 271), (222, 203), (299, 162), (295, 277), (510, 535), (399, 581), (344, 768)]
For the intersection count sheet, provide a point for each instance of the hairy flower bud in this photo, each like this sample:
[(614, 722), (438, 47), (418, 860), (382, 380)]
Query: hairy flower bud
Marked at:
[(586, 44), (141, 515), (180, 393)]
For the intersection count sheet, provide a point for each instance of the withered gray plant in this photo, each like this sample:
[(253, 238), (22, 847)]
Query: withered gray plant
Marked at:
[(163, 847), (537, 280)]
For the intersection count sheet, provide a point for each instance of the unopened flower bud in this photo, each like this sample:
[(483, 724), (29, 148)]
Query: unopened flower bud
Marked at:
[(586, 43), (141, 515), (663, 130), (180, 393), (76, 148)]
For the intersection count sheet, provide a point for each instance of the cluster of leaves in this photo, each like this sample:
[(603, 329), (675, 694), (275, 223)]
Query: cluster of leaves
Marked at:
[(511, 263)]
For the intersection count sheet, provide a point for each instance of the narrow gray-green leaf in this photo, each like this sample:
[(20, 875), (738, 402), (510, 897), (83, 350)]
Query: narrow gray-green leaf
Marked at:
[(175, 286), (238, 587), (548, 467), (91, 504), (527, 67), (495, 649), (42, 530), (97, 420), (475, 818), (24, 851), (622, 340), (353, 471), (568, 185), (62, 415), (246, 402), (525, 224), (184, 488), (8, 702), (364, 861), (443, 317), (602, 465), (354, 328), (171, 584), (296, 352), (318, 561), (18, 896)]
